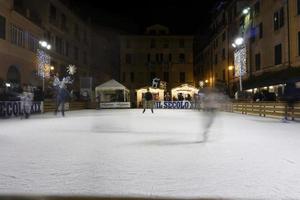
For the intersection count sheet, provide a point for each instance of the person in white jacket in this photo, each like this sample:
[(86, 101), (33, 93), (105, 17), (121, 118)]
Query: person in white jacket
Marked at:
[(26, 102)]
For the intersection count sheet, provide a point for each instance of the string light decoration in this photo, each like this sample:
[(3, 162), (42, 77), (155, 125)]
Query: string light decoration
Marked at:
[(43, 64), (240, 61), (71, 69)]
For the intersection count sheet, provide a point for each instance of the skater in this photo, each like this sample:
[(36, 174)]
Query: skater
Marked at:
[(26, 102), (148, 101), (61, 98), (289, 96), (210, 106), (167, 97), (98, 102), (62, 93)]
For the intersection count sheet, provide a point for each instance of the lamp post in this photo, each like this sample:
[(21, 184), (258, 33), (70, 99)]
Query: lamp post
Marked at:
[(230, 68), (238, 42), (44, 61)]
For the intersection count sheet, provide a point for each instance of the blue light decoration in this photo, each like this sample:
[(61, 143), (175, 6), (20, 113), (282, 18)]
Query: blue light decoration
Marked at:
[(240, 61), (43, 64)]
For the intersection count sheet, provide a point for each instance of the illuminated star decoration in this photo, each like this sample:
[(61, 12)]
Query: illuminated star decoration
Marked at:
[(240, 62), (71, 69), (43, 63)]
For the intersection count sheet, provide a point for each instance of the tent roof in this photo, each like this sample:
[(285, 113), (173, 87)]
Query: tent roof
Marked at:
[(184, 87), (111, 85), (151, 88)]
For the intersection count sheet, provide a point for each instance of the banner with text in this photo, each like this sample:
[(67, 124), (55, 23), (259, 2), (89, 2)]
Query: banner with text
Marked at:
[(15, 108)]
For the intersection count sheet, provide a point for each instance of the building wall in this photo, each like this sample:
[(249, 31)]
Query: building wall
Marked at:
[(19, 56), (52, 21), (139, 47), (75, 33), (248, 26), (294, 31)]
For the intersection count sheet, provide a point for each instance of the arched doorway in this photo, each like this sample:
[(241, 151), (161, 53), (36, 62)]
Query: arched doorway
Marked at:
[(13, 76)]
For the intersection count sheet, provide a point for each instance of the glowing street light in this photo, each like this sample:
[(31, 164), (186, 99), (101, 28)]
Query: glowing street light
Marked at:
[(246, 11), (45, 44), (239, 41), (230, 68)]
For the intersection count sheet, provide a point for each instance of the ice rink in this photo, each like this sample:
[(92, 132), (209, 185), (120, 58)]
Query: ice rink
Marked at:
[(127, 153)]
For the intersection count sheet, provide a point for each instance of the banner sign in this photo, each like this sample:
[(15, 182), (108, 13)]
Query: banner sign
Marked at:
[(15, 108), (173, 105), (115, 105)]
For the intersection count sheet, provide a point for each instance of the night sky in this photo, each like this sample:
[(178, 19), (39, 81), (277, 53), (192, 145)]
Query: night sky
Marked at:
[(182, 17)]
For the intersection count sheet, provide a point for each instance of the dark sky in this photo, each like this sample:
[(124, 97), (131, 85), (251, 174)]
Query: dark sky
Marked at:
[(182, 17)]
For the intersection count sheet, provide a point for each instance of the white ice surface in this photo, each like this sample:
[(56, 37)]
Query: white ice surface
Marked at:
[(127, 153)]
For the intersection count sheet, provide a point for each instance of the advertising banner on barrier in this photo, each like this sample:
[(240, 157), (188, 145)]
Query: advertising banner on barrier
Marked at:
[(15, 108), (173, 105)]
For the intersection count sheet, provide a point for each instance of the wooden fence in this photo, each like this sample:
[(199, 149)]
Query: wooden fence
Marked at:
[(264, 109), (49, 105)]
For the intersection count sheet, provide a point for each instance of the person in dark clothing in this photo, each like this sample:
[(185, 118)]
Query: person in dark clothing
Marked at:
[(148, 101), (289, 96), (180, 97), (188, 97), (61, 98)]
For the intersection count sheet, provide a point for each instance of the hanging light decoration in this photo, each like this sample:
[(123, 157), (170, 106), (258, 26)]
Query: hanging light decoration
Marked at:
[(71, 69), (43, 64)]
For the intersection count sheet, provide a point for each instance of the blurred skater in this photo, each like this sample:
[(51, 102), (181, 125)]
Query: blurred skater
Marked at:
[(210, 104)]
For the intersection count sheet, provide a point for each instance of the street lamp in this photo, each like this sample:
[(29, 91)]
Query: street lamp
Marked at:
[(230, 68), (246, 11), (44, 60), (45, 44)]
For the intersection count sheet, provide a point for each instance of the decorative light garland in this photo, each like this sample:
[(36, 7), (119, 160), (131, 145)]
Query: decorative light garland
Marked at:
[(43, 64), (240, 61), (71, 69)]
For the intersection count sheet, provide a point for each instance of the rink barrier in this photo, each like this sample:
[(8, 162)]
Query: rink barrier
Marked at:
[(264, 109), (49, 106), (15, 108)]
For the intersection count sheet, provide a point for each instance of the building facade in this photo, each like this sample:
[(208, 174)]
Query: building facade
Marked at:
[(269, 53), (157, 54), (23, 23), (217, 55), (19, 36)]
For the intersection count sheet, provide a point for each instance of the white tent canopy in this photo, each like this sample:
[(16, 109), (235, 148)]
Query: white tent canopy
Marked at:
[(111, 85), (112, 91), (184, 89), (158, 94)]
